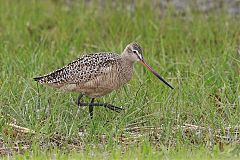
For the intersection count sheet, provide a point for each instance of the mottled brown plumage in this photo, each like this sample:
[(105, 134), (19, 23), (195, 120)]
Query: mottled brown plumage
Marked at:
[(97, 74)]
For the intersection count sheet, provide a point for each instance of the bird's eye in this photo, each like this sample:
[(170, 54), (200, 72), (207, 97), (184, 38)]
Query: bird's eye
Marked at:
[(135, 51)]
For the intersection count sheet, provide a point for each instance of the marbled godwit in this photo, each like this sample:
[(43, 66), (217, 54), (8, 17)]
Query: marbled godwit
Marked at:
[(98, 74)]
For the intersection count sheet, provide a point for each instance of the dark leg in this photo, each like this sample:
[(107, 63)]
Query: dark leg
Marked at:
[(79, 102), (91, 104), (79, 99), (106, 105)]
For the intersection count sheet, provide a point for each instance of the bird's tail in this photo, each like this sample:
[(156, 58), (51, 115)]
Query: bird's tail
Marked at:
[(37, 78), (40, 79), (53, 77)]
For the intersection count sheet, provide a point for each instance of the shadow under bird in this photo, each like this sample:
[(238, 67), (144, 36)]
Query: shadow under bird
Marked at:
[(95, 75)]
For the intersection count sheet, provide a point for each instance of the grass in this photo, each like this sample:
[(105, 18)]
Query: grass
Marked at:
[(143, 152), (196, 53)]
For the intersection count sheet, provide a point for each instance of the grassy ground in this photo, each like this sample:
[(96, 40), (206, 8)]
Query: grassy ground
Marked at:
[(196, 53)]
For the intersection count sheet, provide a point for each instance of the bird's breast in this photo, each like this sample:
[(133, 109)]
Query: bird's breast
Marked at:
[(105, 83)]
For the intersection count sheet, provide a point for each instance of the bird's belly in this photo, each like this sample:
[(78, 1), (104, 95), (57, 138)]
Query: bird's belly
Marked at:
[(94, 88), (103, 85), (92, 91), (68, 87), (96, 92)]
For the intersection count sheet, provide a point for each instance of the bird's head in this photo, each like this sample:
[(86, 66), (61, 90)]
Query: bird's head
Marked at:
[(133, 52)]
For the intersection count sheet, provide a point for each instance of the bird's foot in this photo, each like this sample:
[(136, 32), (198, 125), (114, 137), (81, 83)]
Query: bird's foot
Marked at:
[(112, 107), (106, 105), (92, 104)]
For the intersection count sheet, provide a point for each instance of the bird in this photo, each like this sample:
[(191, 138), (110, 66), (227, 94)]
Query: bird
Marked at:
[(97, 74)]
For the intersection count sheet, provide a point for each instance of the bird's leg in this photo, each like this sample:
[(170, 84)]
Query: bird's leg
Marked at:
[(79, 102), (106, 105), (79, 99), (110, 106), (91, 104)]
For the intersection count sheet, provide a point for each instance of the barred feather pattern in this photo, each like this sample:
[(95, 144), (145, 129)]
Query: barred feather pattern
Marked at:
[(81, 70)]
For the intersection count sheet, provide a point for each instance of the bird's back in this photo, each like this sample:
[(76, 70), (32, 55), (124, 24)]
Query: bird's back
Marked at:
[(81, 70)]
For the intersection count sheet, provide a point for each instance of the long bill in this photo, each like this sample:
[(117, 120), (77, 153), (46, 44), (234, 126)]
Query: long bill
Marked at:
[(155, 73)]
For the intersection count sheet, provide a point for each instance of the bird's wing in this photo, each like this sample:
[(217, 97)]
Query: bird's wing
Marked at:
[(81, 70)]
